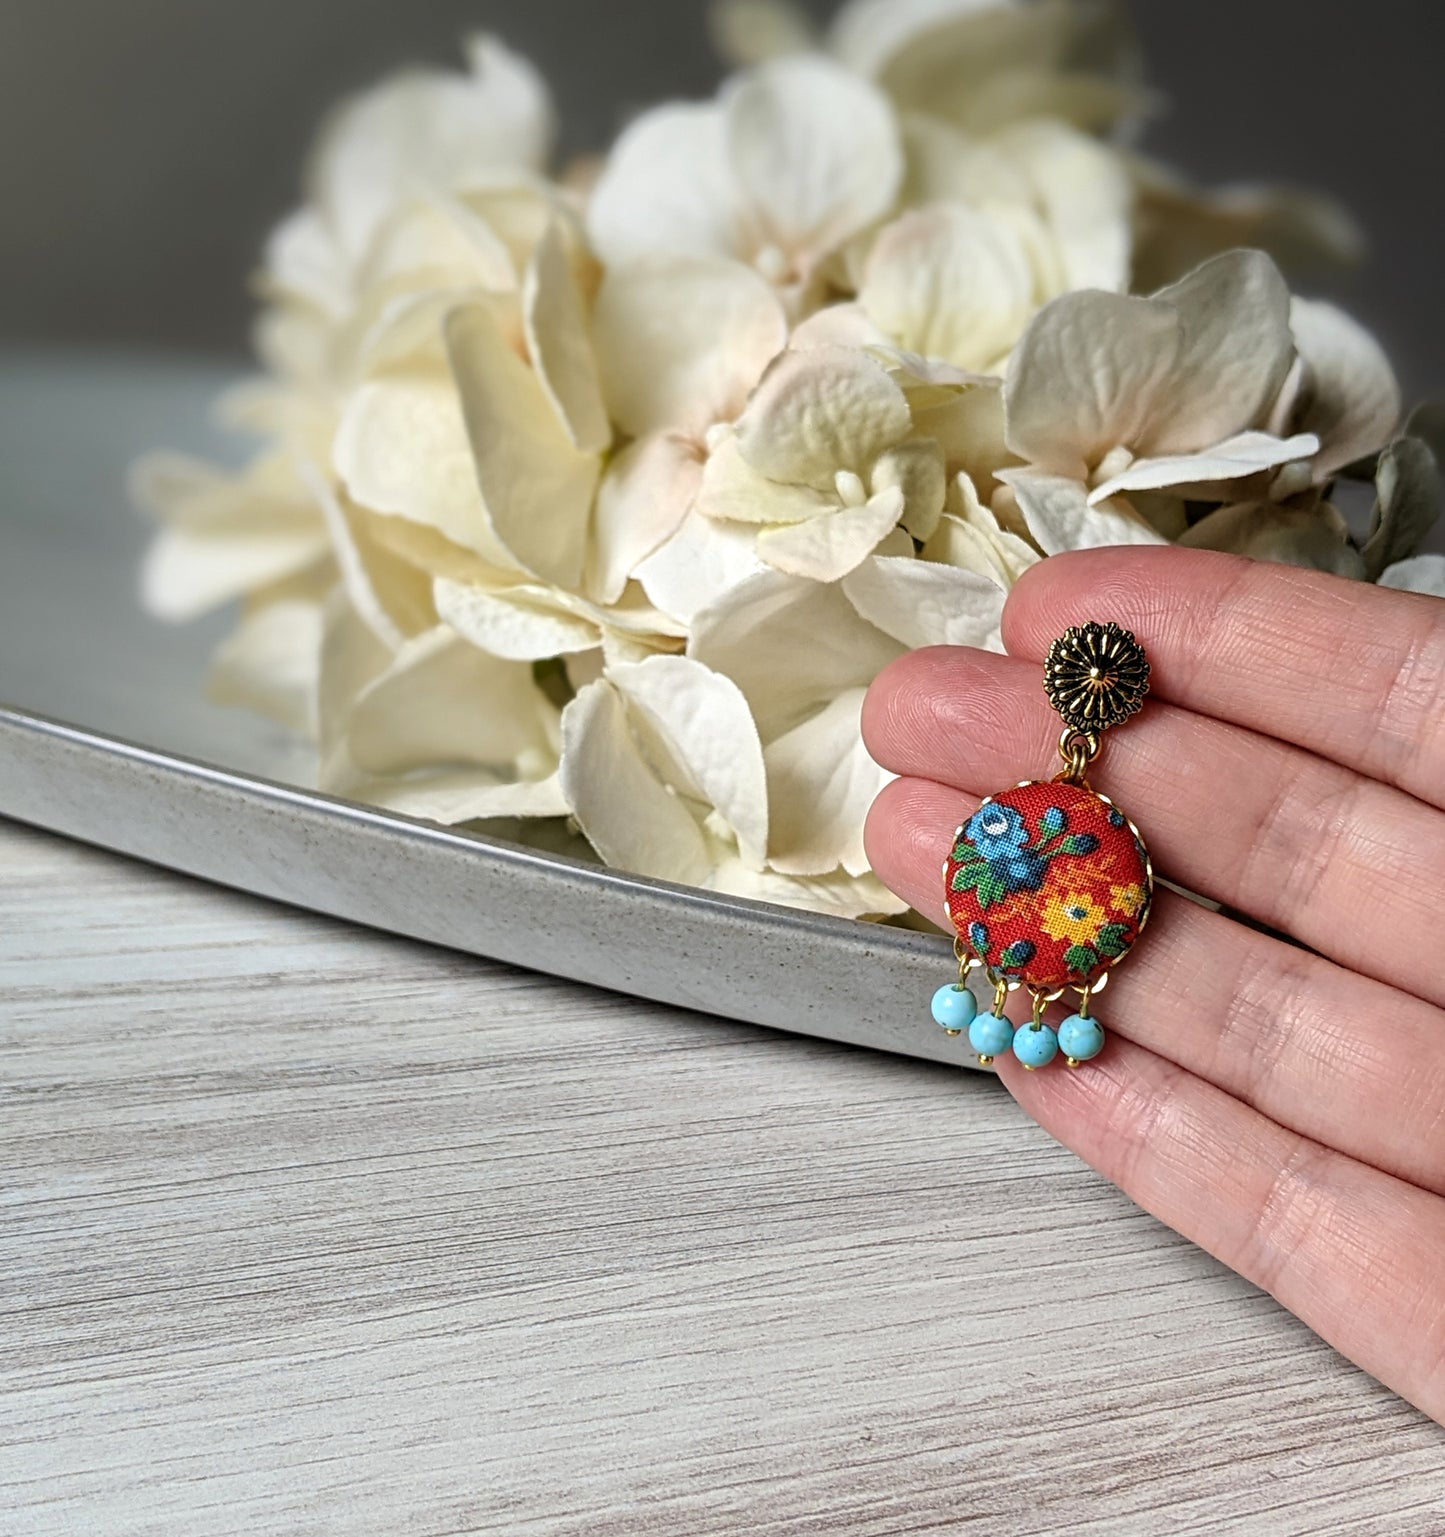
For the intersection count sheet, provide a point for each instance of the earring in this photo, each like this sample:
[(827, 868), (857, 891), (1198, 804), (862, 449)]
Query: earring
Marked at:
[(1048, 885)]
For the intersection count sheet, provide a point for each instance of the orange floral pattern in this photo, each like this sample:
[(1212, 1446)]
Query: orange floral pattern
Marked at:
[(1048, 883)]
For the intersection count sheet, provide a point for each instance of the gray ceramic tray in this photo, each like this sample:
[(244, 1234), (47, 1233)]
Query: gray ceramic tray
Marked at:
[(106, 736)]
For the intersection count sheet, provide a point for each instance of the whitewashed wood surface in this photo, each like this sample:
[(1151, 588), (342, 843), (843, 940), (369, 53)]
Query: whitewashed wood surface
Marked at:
[(310, 1230)]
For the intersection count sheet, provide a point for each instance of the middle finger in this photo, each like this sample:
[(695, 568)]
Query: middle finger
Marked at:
[(1302, 844)]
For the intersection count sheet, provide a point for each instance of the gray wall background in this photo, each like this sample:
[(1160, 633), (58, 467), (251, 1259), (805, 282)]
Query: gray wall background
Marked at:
[(147, 145)]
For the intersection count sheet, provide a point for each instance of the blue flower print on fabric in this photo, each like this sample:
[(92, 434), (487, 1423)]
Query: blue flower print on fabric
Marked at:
[(997, 832)]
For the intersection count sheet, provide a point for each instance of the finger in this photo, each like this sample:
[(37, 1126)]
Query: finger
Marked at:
[(1297, 841), (1353, 672), (1336, 1057), (1352, 1251)]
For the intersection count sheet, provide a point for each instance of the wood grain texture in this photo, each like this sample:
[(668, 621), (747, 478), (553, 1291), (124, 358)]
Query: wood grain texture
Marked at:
[(310, 1230)]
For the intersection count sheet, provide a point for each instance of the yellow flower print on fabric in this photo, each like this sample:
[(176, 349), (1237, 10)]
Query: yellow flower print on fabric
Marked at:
[(1074, 917), (1128, 900)]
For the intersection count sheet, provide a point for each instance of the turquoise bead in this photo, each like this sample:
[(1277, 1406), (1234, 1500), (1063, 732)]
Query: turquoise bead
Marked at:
[(1081, 1037), (990, 1036), (954, 1007), (1035, 1048)]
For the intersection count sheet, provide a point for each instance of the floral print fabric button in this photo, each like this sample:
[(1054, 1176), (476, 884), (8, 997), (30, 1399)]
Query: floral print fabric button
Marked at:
[(1049, 883)]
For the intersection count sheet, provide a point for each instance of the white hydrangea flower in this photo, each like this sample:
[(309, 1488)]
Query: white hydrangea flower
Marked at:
[(433, 727), (960, 284), (1109, 398), (791, 161), (819, 462), (1420, 573), (610, 496), (1177, 225), (983, 63), (681, 342), (420, 132), (1079, 190)]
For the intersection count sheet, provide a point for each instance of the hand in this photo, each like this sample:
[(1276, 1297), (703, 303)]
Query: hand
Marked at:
[(1282, 1106)]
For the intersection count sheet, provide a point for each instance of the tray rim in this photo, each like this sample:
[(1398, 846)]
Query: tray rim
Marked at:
[(859, 964)]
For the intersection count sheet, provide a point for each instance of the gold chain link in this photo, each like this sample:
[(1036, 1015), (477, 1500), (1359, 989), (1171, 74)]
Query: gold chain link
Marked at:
[(1078, 749)]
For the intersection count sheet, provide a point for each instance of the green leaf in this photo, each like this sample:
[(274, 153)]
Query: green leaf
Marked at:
[(1408, 489), (1113, 939), (991, 890), (1080, 843), (1082, 959)]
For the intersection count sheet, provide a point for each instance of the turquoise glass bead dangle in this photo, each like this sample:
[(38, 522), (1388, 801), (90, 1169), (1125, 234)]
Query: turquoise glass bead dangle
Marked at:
[(990, 1035), (1035, 1044), (1049, 885), (1081, 1038), (954, 1007)]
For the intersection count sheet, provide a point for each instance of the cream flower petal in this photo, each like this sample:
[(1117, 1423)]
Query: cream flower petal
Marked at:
[(830, 545), (682, 340), (921, 603), (1084, 194), (950, 282), (821, 783), (987, 62), (1421, 573), (865, 34), (667, 189), (626, 812), (1014, 555), (1002, 558), (1088, 376), (392, 332), (829, 646), (351, 658), (839, 894), (1237, 352), (917, 469), (1059, 516), (1350, 398), (560, 346), (695, 727), (436, 241), (821, 411), (704, 559), (302, 260), (536, 486), (968, 426), (1248, 453), (428, 129), (450, 796), (838, 325), (815, 151), (442, 703), (1317, 537), (522, 623), (747, 32), (402, 449), (732, 489), (644, 495), (1179, 225), (187, 573), (270, 663), (355, 577), (927, 381), (224, 535)]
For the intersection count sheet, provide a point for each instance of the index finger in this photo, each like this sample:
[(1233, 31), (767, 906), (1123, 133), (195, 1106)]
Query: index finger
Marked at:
[(1353, 672)]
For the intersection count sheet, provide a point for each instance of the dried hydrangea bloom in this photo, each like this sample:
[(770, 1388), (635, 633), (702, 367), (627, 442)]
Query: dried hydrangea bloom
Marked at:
[(609, 495)]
